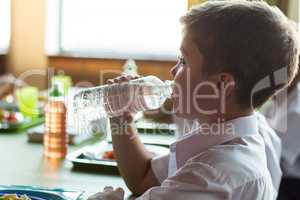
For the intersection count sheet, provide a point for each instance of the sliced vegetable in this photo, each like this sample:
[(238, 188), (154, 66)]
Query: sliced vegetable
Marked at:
[(108, 155)]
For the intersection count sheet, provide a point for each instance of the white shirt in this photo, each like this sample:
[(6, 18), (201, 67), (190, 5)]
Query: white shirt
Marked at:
[(284, 118), (241, 165)]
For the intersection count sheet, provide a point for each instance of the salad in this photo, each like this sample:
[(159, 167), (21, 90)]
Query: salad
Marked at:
[(14, 197), (10, 116)]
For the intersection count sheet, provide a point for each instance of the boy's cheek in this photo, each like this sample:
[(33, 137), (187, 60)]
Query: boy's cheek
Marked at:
[(189, 102)]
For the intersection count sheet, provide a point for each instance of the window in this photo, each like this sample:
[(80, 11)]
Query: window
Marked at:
[(139, 29), (4, 25)]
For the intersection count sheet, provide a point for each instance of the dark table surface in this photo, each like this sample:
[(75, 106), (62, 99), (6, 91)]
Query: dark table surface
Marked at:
[(22, 163)]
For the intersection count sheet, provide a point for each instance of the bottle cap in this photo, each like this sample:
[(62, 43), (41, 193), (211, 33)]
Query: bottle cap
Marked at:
[(57, 89)]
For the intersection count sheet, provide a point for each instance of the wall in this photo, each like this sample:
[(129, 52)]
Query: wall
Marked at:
[(27, 40), (97, 71)]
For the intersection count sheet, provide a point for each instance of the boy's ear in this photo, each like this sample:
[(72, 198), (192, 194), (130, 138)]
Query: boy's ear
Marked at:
[(226, 84)]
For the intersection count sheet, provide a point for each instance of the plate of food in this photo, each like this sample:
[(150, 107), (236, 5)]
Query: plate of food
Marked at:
[(15, 196), (11, 120), (32, 193), (101, 155), (19, 108)]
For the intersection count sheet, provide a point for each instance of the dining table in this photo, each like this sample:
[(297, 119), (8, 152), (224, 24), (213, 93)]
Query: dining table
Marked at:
[(22, 163)]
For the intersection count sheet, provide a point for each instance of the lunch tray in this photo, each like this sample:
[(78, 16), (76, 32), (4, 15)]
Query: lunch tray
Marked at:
[(84, 160), (16, 127)]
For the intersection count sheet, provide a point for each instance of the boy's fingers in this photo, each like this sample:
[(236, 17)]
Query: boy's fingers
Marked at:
[(110, 81), (108, 189), (122, 78), (128, 117), (130, 77), (116, 80), (120, 192), (125, 78)]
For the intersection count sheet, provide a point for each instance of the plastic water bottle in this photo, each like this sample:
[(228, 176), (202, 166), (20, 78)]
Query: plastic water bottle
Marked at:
[(113, 100)]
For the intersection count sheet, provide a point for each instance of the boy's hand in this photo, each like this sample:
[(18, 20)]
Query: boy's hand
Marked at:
[(109, 194), (122, 78), (126, 117), (122, 124), (131, 155)]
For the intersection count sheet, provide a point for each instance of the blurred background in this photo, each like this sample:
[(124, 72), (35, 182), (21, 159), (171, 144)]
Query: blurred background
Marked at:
[(85, 38), (48, 47)]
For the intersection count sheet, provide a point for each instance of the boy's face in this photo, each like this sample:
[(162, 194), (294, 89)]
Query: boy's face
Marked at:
[(195, 94)]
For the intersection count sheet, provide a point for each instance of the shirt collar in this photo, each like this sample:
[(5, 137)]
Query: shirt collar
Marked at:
[(204, 137)]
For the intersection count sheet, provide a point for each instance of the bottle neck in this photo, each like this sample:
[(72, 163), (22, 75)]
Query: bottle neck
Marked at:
[(57, 98), (56, 93)]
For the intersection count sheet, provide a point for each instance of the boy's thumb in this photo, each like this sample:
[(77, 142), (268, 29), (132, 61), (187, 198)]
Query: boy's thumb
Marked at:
[(128, 117), (120, 192)]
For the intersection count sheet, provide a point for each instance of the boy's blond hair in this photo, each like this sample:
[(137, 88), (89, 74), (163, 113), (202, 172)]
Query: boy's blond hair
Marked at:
[(249, 39)]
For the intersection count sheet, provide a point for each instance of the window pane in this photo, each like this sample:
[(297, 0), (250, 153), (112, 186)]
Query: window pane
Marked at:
[(147, 29)]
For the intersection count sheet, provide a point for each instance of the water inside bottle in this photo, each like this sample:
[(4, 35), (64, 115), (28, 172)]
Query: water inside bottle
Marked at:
[(113, 100)]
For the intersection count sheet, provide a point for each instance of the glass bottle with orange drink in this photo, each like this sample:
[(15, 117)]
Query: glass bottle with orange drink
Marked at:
[(55, 137)]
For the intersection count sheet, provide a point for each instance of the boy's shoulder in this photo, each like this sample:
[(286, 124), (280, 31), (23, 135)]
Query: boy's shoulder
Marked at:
[(234, 164), (235, 170)]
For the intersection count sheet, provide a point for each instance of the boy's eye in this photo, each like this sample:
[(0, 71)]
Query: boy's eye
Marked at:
[(181, 60)]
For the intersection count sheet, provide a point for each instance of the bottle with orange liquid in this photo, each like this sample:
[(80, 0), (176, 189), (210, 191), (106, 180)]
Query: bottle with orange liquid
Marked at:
[(55, 137)]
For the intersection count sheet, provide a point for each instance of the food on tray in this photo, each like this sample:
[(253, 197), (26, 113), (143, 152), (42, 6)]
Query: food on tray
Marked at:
[(10, 116), (1, 114), (108, 155), (14, 197)]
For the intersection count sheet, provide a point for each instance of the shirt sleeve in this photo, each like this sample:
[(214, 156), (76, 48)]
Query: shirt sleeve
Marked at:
[(189, 184), (159, 165)]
